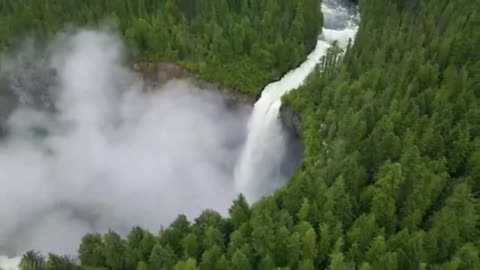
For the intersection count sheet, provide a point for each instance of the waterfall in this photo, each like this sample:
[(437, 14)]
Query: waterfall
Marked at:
[(258, 171), (9, 263)]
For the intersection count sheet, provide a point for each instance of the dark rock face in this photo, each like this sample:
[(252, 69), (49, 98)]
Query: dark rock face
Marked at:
[(26, 84), (291, 125), (33, 88), (156, 74), (291, 120)]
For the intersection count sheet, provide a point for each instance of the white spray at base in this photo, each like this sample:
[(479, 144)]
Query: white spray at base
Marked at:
[(258, 171), (9, 263)]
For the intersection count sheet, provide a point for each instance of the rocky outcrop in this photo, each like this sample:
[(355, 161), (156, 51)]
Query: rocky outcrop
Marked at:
[(157, 74), (25, 84), (291, 119)]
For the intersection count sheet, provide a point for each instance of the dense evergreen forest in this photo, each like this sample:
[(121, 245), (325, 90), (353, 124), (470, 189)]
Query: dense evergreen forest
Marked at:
[(391, 171), (242, 44)]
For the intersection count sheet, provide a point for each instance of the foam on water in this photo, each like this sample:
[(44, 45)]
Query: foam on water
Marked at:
[(9, 263), (258, 172)]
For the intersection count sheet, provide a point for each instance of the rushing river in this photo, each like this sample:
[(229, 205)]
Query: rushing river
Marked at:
[(62, 185), (258, 172)]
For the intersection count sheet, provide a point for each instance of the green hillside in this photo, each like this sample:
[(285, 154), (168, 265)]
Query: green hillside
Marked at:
[(391, 172), (242, 44)]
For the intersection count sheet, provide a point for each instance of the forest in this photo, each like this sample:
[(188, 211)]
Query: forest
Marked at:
[(390, 177), (242, 44)]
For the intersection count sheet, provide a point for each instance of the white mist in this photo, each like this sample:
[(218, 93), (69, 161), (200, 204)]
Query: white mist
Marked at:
[(258, 171)]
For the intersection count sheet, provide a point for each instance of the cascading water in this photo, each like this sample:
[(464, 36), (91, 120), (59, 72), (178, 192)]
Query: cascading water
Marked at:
[(258, 171), (9, 263)]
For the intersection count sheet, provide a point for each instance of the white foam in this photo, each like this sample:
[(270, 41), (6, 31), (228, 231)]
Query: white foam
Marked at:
[(9, 263), (341, 36), (257, 171)]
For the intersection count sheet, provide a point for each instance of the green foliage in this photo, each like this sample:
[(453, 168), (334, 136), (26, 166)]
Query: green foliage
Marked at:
[(139, 246), (56, 262), (189, 264), (115, 251), (239, 211), (388, 127), (142, 266), (391, 170), (91, 251), (240, 261), (162, 258), (219, 40), (32, 260)]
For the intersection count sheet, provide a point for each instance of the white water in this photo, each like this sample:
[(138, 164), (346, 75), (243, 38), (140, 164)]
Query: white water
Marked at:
[(258, 171), (9, 263)]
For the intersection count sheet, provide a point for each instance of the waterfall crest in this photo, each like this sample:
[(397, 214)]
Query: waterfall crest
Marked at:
[(258, 171)]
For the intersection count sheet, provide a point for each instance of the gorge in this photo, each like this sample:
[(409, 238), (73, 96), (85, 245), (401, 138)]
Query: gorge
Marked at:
[(258, 172), (362, 150), (93, 121)]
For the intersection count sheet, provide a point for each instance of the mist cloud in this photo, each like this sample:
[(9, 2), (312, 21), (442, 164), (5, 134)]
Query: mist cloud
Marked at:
[(106, 154)]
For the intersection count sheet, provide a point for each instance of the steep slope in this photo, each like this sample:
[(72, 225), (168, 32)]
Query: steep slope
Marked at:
[(259, 169), (391, 135), (391, 173)]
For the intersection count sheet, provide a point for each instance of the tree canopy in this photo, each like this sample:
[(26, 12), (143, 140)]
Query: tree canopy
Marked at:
[(242, 44), (390, 177)]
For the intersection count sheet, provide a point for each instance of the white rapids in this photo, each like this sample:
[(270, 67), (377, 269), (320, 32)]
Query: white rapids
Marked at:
[(9, 263), (257, 172)]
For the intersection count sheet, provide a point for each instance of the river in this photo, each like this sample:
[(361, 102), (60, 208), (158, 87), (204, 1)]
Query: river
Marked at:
[(259, 170)]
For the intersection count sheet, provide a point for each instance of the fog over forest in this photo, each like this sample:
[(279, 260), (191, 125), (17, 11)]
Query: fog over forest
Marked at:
[(95, 151)]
